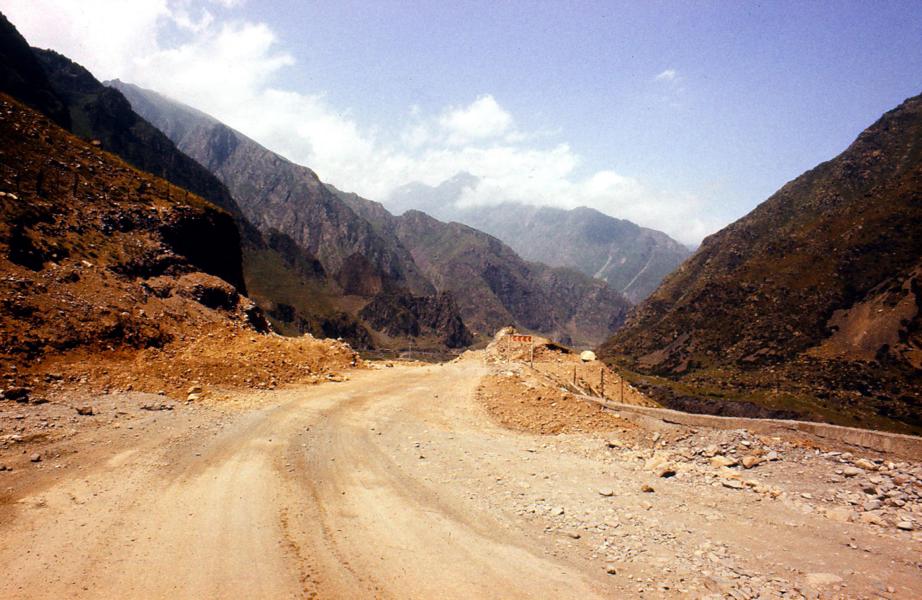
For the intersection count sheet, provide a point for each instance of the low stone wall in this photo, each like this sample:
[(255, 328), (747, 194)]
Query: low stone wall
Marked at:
[(906, 446)]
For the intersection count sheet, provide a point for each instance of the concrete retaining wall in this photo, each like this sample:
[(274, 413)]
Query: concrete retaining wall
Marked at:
[(906, 446)]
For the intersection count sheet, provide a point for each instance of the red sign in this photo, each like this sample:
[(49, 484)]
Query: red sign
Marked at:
[(521, 338)]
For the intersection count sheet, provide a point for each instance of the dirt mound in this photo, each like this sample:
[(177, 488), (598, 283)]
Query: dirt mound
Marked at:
[(217, 359), (517, 402), (536, 386)]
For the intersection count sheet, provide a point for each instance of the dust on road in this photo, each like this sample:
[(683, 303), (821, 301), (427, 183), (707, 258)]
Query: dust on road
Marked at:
[(398, 484)]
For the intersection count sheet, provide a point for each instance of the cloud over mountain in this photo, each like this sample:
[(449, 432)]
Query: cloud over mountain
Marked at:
[(201, 54)]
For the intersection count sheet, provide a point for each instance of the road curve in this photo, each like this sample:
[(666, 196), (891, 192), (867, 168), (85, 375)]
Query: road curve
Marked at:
[(326, 492)]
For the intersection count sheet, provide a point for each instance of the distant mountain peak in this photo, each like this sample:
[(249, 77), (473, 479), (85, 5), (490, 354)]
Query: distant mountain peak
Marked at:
[(631, 258)]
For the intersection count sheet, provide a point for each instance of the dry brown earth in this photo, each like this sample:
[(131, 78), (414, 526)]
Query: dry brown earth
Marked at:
[(398, 483)]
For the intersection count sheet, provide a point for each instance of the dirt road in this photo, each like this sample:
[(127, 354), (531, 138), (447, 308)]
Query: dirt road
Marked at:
[(397, 484)]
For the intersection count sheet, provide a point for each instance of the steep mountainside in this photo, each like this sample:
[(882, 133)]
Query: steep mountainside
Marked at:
[(812, 301), (95, 254), (403, 314), (101, 114), (368, 252), (22, 77), (278, 195), (494, 287), (632, 259), (98, 112)]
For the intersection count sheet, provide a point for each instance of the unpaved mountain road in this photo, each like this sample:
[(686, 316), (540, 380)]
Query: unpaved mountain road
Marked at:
[(397, 484)]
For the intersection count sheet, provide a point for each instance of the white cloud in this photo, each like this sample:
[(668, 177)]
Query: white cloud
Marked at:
[(231, 69), (482, 119), (103, 36)]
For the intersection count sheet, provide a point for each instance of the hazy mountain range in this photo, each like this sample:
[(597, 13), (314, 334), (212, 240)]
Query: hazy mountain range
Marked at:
[(632, 259), (372, 254)]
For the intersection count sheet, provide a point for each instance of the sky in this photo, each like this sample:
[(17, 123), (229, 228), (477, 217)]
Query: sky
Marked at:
[(681, 116)]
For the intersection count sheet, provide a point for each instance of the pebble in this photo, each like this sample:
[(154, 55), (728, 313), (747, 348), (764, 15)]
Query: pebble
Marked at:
[(722, 461), (36, 458), (607, 492), (573, 534), (872, 505), (840, 514), (904, 525), (646, 488)]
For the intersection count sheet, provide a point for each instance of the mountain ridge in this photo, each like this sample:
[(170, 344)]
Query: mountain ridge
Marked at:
[(811, 301), (631, 258), (359, 273)]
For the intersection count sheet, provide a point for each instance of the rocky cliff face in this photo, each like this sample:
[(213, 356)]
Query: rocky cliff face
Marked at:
[(95, 254), (632, 259), (811, 301), (494, 287), (276, 194), (400, 315), (370, 254)]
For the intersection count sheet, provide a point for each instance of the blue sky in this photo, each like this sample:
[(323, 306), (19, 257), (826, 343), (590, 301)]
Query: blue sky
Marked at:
[(678, 115)]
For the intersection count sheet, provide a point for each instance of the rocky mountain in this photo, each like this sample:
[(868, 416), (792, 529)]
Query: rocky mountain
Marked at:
[(386, 265), (97, 255), (278, 195), (632, 259), (810, 303), (98, 112), (494, 287), (304, 222), (402, 314), (70, 95)]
